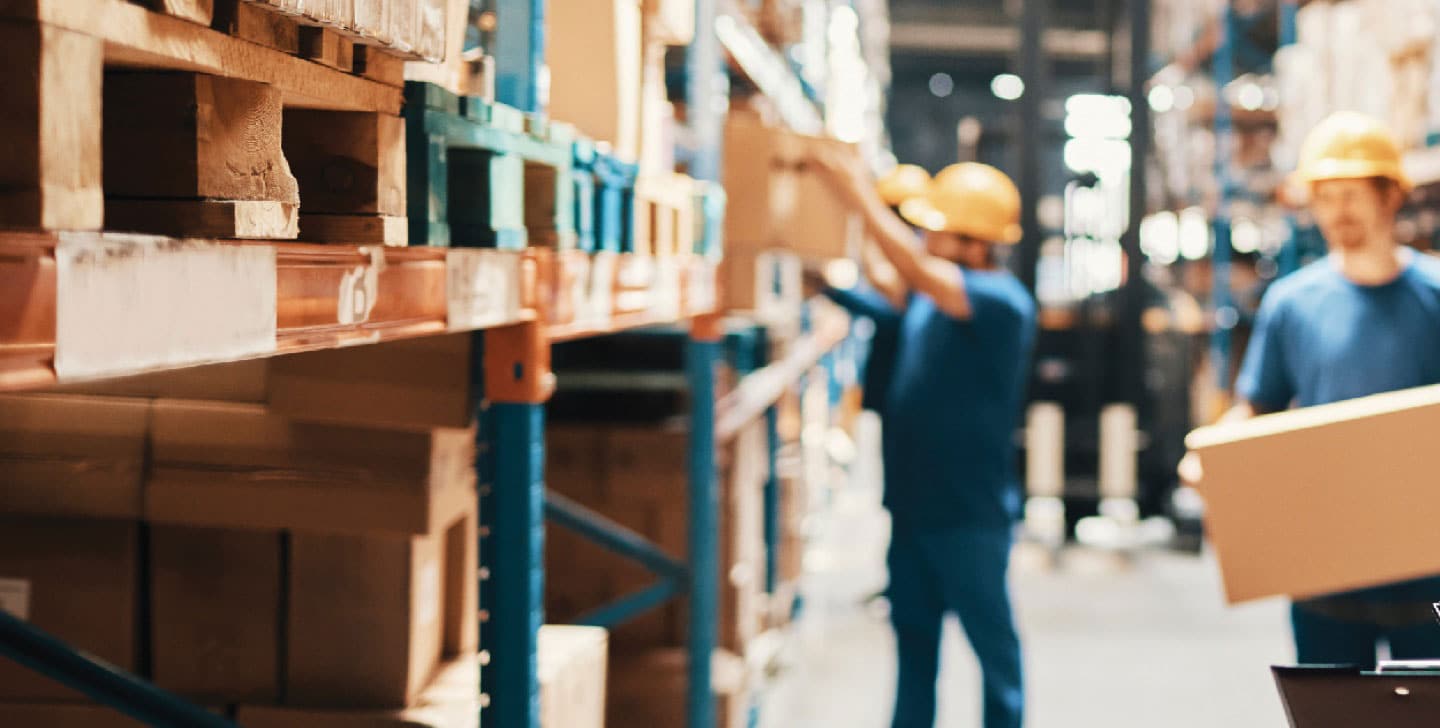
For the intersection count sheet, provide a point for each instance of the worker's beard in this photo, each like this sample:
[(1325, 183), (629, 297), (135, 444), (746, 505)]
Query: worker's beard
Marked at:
[(1348, 235)]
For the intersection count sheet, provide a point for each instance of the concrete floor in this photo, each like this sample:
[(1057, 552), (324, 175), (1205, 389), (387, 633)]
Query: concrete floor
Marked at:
[(1110, 642)]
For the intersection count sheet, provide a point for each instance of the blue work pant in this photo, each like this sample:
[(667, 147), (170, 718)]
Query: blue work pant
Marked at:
[(1325, 640), (960, 570)]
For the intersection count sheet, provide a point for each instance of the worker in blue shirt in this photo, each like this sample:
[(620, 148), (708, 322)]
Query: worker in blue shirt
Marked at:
[(954, 404), (1363, 320)]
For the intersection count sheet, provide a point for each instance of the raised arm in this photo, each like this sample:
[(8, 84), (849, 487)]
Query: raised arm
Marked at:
[(937, 278)]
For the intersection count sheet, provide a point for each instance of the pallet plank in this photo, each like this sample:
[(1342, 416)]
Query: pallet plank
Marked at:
[(228, 219), (137, 37), (50, 174), (195, 11), (250, 22), (354, 229), (327, 47)]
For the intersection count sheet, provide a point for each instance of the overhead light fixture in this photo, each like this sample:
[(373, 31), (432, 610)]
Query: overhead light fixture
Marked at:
[(1007, 87), (942, 85)]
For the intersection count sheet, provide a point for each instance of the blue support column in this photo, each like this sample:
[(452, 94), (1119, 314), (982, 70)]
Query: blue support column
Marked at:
[(772, 502), (520, 55), (702, 354), (512, 514), (103, 683), (512, 366), (708, 93), (1222, 300), (1290, 252)]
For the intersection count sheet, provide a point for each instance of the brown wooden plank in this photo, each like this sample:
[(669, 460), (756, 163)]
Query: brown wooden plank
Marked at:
[(236, 219), (377, 65), (192, 135), (354, 229), (327, 47), (195, 11), (248, 21), (347, 162), (137, 37), (50, 160)]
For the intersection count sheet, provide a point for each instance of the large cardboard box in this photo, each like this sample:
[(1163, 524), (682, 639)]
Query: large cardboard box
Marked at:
[(415, 384), (572, 663), (761, 175), (57, 715), (768, 283), (451, 701), (77, 580), (215, 597), (71, 456), (1324, 499), (240, 466), (594, 54), (369, 617), (650, 689)]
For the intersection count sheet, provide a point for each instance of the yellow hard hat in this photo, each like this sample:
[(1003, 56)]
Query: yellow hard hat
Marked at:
[(1349, 145), (970, 199), (902, 183)]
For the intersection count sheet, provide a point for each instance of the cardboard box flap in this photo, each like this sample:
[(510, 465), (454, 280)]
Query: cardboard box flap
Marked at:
[(1312, 417), (248, 438), (72, 426)]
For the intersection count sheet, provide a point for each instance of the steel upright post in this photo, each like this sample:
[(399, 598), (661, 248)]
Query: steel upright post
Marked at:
[(702, 354)]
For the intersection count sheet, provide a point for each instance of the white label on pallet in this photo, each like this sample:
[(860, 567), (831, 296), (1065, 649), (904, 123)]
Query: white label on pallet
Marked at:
[(15, 597), (359, 289), (482, 288), (598, 292), (700, 289), (128, 303)]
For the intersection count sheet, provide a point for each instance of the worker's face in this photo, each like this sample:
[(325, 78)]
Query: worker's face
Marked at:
[(1351, 211), (963, 249)]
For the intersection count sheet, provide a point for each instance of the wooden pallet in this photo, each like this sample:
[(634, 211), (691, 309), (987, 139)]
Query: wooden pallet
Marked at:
[(125, 119), (664, 215), (482, 175), (328, 31), (77, 305)]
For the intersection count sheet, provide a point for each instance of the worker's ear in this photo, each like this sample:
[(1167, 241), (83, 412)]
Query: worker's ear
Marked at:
[(1394, 196)]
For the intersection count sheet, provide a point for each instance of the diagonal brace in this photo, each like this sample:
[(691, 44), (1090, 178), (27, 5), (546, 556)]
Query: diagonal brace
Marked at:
[(612, 536)]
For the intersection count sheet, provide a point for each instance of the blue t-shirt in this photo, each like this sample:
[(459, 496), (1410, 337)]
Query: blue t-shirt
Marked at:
[(1321, 338), (884, 343), (954, 404)]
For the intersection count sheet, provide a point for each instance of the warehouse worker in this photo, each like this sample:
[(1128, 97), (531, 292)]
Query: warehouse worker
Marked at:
[(953, 406), (1363, 320)]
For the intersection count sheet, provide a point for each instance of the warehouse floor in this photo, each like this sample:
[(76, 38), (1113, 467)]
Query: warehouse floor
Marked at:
[(1110, 642)]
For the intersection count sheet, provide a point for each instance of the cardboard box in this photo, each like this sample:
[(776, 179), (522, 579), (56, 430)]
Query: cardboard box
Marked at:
[(242, 381), (767, 283), (1324, 499), (416, 384), (650, 689), (215, 601), (77, 580), (594, 54), (823, 225), (671, 22), (391, 591), (54, 715), (572, 663), (72, 456), (451, 701), (239, 466), (761, 177)]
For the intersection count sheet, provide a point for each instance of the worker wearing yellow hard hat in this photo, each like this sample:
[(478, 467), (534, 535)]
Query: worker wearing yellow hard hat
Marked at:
[(967, 327), (1363, 320)]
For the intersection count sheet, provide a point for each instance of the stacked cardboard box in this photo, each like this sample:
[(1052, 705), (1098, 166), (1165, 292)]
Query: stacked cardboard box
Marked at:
[(778, 204), (594, 54), (572, 667), (637, 477), (258, 546), (650, 689)]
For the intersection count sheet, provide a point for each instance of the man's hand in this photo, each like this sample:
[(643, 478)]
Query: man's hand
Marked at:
[(1190, 471), (845, 173)]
